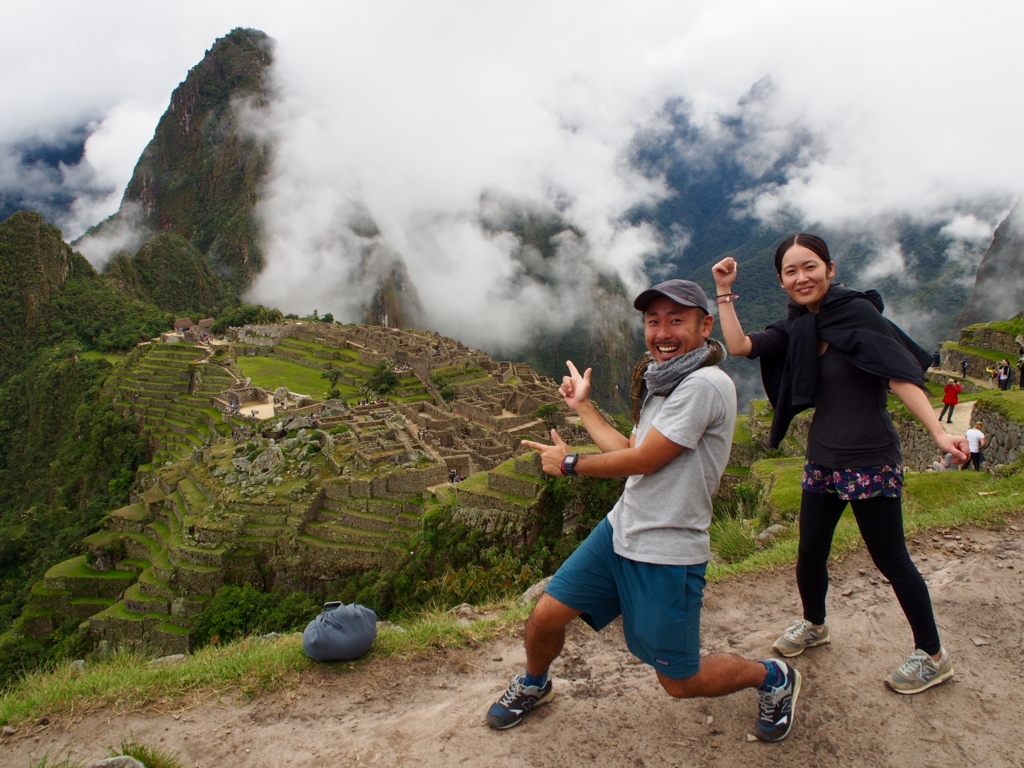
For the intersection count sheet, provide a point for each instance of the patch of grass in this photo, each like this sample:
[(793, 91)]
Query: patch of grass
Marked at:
[(251, 666), (1009, 404), (740, 433), (1014, 327), (273, 372), (731, 539), (782, 479), (111, 358), (46, 762), (989, 354), (149, 756)]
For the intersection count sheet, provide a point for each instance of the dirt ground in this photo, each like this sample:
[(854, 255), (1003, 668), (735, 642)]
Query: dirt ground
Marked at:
[(609, 710)]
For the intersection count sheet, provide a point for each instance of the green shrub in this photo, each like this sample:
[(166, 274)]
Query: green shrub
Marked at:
[(236, 612), (149, 756), (732, 539)]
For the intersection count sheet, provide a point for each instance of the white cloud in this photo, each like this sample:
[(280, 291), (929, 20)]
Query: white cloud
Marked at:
[(111, 152), (417, 109)]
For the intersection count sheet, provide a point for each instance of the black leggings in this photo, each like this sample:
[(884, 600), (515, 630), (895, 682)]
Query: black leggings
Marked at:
[(881, 524), (943, 414)]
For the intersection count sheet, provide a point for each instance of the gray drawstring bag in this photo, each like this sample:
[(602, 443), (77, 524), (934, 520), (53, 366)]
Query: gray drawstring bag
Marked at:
[(340, 633)]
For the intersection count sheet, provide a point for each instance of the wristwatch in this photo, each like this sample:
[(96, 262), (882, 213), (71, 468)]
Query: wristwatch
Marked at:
[(569, 464)]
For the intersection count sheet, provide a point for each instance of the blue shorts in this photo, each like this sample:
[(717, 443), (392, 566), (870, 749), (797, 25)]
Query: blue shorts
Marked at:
[(659, 604)]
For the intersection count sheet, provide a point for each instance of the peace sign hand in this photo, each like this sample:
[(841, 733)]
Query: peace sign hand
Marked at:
[(575, 389)]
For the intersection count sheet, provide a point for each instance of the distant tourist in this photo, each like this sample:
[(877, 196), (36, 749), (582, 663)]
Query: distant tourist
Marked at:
[(836, 352), (964, 365), (950, 399), (1003, 372), (1020, 372), (976, 440), (646, 560)]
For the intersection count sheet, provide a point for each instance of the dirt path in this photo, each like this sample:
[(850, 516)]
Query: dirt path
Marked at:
[(962, 415), (609, 711)]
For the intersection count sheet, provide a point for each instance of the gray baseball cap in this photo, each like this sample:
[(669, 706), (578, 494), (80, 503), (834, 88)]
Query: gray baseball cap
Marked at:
[(684, 292)]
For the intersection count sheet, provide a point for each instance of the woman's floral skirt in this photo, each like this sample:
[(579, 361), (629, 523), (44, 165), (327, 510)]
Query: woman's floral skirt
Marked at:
[(854, 482)]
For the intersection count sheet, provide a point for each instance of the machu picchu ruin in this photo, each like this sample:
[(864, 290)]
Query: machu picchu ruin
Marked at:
[(260, 484)]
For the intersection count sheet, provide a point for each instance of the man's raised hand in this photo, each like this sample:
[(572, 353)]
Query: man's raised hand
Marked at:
[(551, 455), (575, 389)]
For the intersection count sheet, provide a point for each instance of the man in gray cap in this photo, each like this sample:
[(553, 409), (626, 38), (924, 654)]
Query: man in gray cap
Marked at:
[(646, 560)]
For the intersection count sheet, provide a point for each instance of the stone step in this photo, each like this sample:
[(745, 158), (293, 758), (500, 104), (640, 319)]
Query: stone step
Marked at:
[(197, 579), (152, 586), (345, 534), (198, 555), (136, 601)]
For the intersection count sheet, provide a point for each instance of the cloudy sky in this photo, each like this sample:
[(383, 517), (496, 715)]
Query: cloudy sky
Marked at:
[(418, 108)]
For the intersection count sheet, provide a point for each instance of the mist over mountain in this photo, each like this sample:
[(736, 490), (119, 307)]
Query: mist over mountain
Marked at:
[(999, 285), (529, 249)]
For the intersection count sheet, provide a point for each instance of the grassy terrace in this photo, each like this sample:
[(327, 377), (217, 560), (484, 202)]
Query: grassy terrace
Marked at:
[(273, 372), (989, 354), (1009, 404)]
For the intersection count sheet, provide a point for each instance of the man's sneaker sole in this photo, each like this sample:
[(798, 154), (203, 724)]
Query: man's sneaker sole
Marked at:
[(542, 700), (930, 684)]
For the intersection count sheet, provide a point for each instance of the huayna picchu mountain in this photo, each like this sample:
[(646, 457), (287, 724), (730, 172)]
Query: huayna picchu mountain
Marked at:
[(199, 176)]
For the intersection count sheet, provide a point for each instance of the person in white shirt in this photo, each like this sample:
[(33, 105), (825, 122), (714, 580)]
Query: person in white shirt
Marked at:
[(975, 442)]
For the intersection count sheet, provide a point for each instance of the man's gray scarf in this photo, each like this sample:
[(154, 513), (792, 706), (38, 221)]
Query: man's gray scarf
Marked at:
[(662, 378), (649, 377)]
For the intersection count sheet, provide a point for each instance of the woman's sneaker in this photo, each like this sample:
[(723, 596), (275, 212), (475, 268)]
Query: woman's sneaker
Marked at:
[(800, 635), (517, 701), (777, 705), (919, 672)]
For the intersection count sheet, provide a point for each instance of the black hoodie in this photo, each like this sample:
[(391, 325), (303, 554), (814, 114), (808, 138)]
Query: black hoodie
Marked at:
[(851, 322)]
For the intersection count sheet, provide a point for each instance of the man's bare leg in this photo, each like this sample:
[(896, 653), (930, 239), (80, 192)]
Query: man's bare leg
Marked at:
[(545, 638), (545, 633), (719, 675)]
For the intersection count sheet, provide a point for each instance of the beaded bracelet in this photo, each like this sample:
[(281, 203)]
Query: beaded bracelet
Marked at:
[(727, 298)]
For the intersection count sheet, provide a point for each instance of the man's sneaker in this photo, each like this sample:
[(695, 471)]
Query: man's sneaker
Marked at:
[(919, 672), (519, 699), (777, 705), (800, 635)]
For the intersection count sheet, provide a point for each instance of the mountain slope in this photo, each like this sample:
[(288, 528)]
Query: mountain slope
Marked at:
[(999, 283), (171, 273), (199, 176)]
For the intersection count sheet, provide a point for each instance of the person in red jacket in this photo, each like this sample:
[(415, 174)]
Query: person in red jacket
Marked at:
[(950, 399)]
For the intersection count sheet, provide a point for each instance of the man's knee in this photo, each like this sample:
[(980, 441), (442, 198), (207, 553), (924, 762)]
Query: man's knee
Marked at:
[(680, 687), (550, 614)]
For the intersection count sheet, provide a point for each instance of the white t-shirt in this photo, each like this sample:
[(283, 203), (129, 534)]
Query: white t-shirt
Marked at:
[(663, 517), (974, 438)]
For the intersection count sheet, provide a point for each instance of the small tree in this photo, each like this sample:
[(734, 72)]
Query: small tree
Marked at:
[(328, 317), (332, 375), (383, 380)]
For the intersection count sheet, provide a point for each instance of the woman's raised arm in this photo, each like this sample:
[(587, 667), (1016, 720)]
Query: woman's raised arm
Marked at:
[(736, 341)]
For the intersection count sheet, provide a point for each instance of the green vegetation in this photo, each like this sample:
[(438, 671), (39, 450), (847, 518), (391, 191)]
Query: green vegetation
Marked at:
[(245, 314), (171, 273), (236, 612), (251, 666), (1009, 404), (383, 380), (1012, 327), (148, 755), (67, 458), (989, 354), (200, 178), (273, 372)]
